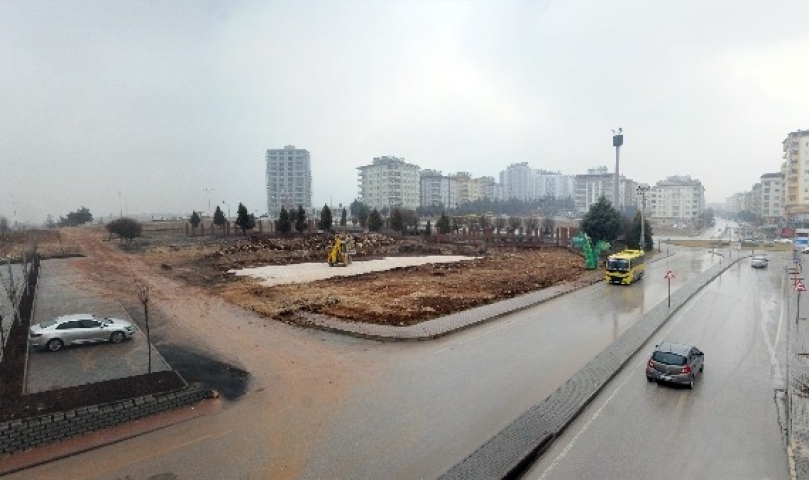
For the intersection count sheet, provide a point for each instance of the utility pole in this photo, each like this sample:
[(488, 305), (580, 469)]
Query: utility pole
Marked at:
[(642, 189), (617, 141)]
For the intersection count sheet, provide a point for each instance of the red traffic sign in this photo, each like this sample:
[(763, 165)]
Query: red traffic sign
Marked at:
[(669, 275), (800, 287)]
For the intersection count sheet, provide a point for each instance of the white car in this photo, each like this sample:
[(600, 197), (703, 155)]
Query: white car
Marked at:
[(76, 329), (783, 240), (759, 262)]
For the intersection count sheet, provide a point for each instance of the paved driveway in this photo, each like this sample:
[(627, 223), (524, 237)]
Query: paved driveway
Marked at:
[(61, 291)]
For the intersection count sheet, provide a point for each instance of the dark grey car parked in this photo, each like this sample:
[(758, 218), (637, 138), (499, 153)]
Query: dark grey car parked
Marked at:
[(675, 363)]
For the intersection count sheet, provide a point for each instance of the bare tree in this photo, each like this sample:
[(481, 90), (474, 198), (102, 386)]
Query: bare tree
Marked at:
[(143, 291)]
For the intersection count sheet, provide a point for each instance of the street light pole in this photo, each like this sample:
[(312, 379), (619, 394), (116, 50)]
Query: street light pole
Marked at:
[(617, 141), (642, 189)]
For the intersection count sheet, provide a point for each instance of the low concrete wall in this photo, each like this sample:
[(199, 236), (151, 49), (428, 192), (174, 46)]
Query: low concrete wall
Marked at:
[(24, 434)]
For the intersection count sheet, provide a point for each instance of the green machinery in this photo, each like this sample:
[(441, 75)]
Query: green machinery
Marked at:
[(591, 253)]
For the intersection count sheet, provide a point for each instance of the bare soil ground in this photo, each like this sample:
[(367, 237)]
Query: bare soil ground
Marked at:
[(401, 296)]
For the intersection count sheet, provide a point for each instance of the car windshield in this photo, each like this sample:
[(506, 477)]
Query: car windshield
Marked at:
[(47, 323), (617, 264), (668, 358)]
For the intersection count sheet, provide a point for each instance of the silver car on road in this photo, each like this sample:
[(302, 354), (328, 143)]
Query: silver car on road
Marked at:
[(673, 362), (77, 329)]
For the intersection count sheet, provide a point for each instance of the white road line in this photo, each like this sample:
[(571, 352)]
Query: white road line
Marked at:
[(680, 315)]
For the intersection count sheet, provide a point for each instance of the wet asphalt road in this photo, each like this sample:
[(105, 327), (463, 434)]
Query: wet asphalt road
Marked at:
[(387, 410), (727, 427)]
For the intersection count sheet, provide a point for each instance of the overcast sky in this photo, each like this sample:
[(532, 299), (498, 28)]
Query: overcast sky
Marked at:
[(142, 106)]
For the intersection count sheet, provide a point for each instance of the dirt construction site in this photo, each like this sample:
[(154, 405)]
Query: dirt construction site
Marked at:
[(390, 280)]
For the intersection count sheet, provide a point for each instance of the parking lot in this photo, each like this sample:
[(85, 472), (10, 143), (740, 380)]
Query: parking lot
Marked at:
[(62, 291)]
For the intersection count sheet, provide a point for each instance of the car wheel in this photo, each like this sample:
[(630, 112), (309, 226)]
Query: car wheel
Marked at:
[(649, 379), (701, 368), (54, 345), (117, 337), (691, 382)]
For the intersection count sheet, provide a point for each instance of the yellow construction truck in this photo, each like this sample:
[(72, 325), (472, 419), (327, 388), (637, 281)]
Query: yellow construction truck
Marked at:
[(340, 253)]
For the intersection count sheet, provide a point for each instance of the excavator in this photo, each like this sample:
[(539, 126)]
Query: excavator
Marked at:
[(340, 253)]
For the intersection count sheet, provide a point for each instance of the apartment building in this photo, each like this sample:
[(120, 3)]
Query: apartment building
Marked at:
[(556, 185), (597, 182), (772, 197), (437, 189), (289, 179), (796, 177), (518, 182), (390, 182), (489, 188), (466, 188), (677, 199)]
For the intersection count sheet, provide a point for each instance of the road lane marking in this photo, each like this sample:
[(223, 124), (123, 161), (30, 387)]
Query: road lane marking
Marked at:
[(680, 315)]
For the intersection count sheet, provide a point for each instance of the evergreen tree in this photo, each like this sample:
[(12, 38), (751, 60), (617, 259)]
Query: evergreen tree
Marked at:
[(343, 217), (284, 222), (325, 218), (194, 221), (428, 230), (219, 218), (602, 221), (300, 219), (362, 216), (244, 220), (375, 221), (442, 225), (396, 222)]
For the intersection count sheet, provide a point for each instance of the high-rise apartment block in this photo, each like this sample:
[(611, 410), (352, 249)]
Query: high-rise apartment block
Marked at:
[(772, 197), (390, 182), (796, 177), (289, 179)]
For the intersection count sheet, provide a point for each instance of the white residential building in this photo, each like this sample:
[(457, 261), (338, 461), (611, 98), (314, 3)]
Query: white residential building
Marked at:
[(676, 199), (518, 182), (390, 182), (489, 188), (437, 189), (556, 185), (772, 196), (289, 179), (796, 177), (597, 182)]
